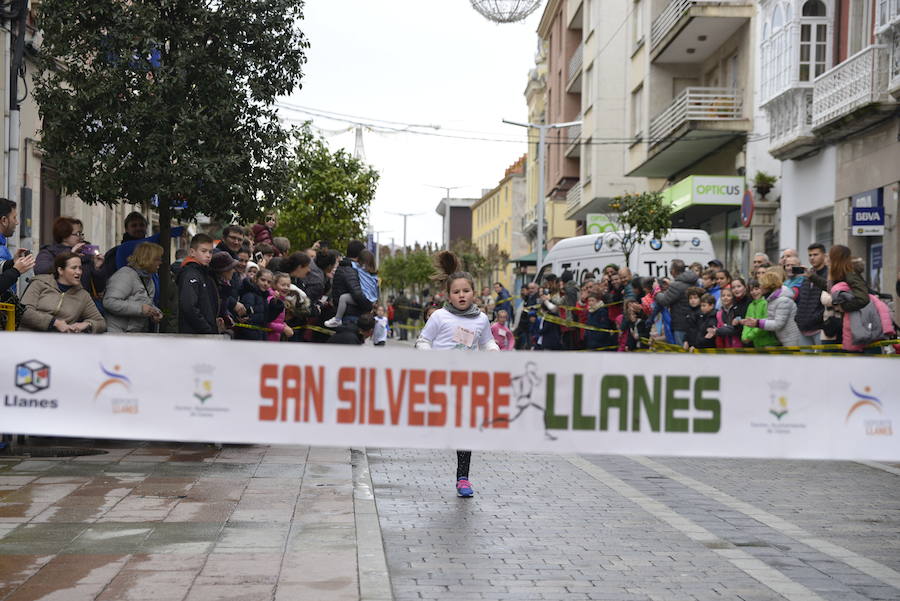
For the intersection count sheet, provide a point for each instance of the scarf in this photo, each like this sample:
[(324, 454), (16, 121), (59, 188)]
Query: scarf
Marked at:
[(472, 311)]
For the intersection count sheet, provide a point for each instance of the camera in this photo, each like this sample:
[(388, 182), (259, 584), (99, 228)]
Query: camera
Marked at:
[(90, 249), (798, 270)]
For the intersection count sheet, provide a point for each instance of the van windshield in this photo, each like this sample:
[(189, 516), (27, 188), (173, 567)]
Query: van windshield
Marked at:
[(544, 271)]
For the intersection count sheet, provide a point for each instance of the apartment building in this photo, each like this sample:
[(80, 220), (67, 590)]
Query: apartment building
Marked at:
[(559, 34), (494, 219), (690, 86), (830, 84), (598, 70)]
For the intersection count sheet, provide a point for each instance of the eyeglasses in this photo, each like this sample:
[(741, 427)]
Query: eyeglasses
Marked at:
[(79, 234)]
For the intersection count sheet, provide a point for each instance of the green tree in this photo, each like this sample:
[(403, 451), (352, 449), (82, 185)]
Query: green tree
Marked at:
[(405, 271), (172, 99), (638, 217), (329, 196)]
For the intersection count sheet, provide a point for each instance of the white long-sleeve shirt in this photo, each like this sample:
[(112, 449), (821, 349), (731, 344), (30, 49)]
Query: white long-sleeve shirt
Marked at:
[(444, 331)]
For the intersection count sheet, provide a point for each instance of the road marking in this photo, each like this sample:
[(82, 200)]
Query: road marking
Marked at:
[(753, 567), (868, 566), (374, 578), (880, 466)]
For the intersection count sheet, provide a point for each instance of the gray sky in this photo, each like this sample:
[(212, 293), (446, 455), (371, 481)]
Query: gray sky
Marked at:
[(423, 62)]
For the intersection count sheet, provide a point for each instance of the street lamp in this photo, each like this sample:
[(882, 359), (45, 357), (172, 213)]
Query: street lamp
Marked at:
[(542, 132), (405, 215)]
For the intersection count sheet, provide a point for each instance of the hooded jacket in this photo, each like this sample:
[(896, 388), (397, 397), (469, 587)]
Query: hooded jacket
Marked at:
[(675, 298), (126, 294), (781, 312), (260, 312), (44, 302), (346, 280), (198, 299)]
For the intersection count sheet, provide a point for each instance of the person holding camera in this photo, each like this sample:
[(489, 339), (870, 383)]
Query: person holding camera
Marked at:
[(68, 236), (130, 293)]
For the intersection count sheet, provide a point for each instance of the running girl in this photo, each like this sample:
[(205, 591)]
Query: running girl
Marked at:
[(459, 325)]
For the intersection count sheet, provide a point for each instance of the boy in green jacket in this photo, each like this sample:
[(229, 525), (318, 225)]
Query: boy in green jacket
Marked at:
[(757, 309)]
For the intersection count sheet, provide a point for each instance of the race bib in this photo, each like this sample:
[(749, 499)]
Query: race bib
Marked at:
[(464, 337)]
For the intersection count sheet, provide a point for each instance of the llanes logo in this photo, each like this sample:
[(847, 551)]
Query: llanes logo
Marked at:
[(779, 408), (864, 405), (201, 402), (778, 402), (31, 376), (113, 386), (203, 383)]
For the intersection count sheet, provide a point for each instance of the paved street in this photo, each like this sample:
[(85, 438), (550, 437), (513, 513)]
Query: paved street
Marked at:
[(193, 522)]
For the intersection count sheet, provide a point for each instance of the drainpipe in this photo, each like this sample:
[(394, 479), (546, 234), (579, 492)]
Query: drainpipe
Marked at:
[(18, 56)]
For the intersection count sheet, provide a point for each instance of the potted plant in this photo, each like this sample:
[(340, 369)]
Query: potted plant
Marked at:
[(763, 183)]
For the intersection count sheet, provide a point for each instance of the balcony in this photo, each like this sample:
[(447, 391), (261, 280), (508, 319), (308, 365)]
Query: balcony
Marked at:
[(696, 123), (790, 123), (573, 140), (573, 197), (852, 95), (887, 14), (689, 31), (576, 61)]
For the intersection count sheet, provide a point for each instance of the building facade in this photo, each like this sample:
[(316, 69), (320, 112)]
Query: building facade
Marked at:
[(690, 85), (830, 73), (599, 142), (494, 220), (457, 219)]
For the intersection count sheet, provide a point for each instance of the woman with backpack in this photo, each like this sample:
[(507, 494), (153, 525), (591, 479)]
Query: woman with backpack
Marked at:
[(866, 318)]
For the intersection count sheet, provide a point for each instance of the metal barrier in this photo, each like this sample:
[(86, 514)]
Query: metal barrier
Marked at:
[(10, 311)]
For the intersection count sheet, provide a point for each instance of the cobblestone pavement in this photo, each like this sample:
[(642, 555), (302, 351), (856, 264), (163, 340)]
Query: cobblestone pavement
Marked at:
[(200, 523), (623, 529)]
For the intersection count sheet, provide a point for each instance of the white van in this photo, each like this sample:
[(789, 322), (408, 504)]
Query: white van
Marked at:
[(590, 254)]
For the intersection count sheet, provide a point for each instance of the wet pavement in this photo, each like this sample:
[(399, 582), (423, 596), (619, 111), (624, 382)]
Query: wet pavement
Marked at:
[(198, 522), (193, 522)]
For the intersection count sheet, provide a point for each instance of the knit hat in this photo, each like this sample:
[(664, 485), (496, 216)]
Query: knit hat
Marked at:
[(566, 276), (222, 261)]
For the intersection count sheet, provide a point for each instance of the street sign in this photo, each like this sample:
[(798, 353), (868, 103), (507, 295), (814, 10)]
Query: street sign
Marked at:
[(867, 221), (742, 233), (747, 208)]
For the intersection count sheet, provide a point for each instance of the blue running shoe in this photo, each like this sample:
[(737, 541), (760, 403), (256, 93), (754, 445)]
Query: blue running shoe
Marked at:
[(464, 488)]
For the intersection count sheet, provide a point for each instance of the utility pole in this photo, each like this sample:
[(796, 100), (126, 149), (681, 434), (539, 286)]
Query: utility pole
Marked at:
[(542, 132), (405, 216)]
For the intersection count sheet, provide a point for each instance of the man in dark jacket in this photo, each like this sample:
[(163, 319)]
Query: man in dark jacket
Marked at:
[(198, 296), (504, 300), (135, 233), (346, 280), (232, 240), (675, 299), (354, 333)]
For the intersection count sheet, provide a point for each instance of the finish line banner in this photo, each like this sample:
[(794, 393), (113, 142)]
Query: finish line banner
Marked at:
[(187, 389)]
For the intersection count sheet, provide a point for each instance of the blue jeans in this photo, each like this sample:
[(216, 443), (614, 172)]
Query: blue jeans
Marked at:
[(680, 335)]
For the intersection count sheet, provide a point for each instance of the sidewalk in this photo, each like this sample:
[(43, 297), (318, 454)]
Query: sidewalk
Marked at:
[(175, 521)]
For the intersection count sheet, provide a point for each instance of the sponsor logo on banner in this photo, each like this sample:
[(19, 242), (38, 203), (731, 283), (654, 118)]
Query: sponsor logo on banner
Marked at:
[(115, 391), (203, 384), (31, 376), (480, 400), (198, 404), (779, 408), (865, 405)]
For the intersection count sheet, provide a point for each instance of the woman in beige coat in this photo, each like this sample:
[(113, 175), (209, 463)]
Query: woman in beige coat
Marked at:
[(58, 303)]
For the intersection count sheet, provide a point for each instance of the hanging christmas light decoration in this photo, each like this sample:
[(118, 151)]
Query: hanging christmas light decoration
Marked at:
[(505, 11)]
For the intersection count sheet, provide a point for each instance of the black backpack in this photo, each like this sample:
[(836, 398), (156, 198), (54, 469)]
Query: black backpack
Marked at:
[(810, 310)]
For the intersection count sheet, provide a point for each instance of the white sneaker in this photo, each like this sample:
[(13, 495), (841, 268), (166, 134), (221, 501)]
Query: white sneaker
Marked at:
[(333, 322)]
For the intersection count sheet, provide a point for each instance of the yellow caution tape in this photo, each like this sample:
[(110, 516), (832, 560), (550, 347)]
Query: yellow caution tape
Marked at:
[(572, 324)]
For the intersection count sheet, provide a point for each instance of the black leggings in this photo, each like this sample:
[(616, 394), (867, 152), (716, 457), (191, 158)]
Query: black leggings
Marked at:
[(462, 464)]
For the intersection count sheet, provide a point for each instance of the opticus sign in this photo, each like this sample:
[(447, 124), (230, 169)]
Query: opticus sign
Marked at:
[(717, 190)]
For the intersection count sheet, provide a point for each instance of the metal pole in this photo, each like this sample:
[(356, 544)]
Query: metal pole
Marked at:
[(17, 58), (405, 249), (539, 251)]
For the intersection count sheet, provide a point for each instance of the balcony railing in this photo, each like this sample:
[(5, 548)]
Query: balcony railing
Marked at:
[(887, 13), (860, 80), (697, 104), (674, 11), (790, 123), (573, 197), (575, 63)]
